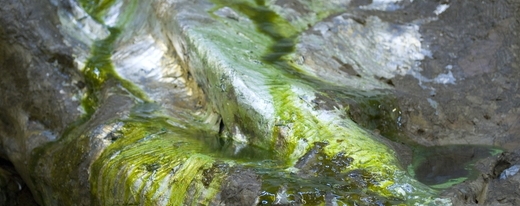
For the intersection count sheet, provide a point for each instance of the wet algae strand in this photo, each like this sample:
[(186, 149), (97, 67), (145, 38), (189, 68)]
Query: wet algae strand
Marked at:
[(326, 158), (129, 155), (283, 35), (97, 9), (299, 130), (297, 125), (153, 164), (149, 154), (99, 67)]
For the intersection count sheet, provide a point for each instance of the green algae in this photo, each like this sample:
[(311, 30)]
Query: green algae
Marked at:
[(67, 155), (99, 67), (306, 126), (154, 162), (160, 160), (380, 164), (320, 179), (98, 70), (97, 9), (282, 36), (148, 157), (269, 23), (368, 154), (297, 127)]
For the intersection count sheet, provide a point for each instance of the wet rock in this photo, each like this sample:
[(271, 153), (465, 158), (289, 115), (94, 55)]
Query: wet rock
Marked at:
[(242, 187), (175, 102), (478, 52), (39, 85), (493, 186)]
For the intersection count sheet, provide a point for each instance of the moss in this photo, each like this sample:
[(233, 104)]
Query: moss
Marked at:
[(61, 164)]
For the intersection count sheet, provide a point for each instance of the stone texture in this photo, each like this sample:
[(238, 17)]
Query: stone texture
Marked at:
[(194, 84)]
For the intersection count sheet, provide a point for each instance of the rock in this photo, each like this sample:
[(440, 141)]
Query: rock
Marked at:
[(490, 188), (231, 103)]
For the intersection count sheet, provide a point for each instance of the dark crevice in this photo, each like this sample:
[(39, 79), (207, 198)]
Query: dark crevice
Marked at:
[(500, 166), (221, 133), (13, 190)]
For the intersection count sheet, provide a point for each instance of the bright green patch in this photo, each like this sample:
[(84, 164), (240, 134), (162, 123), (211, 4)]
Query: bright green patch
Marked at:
[(146, 160), (97, 8)]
